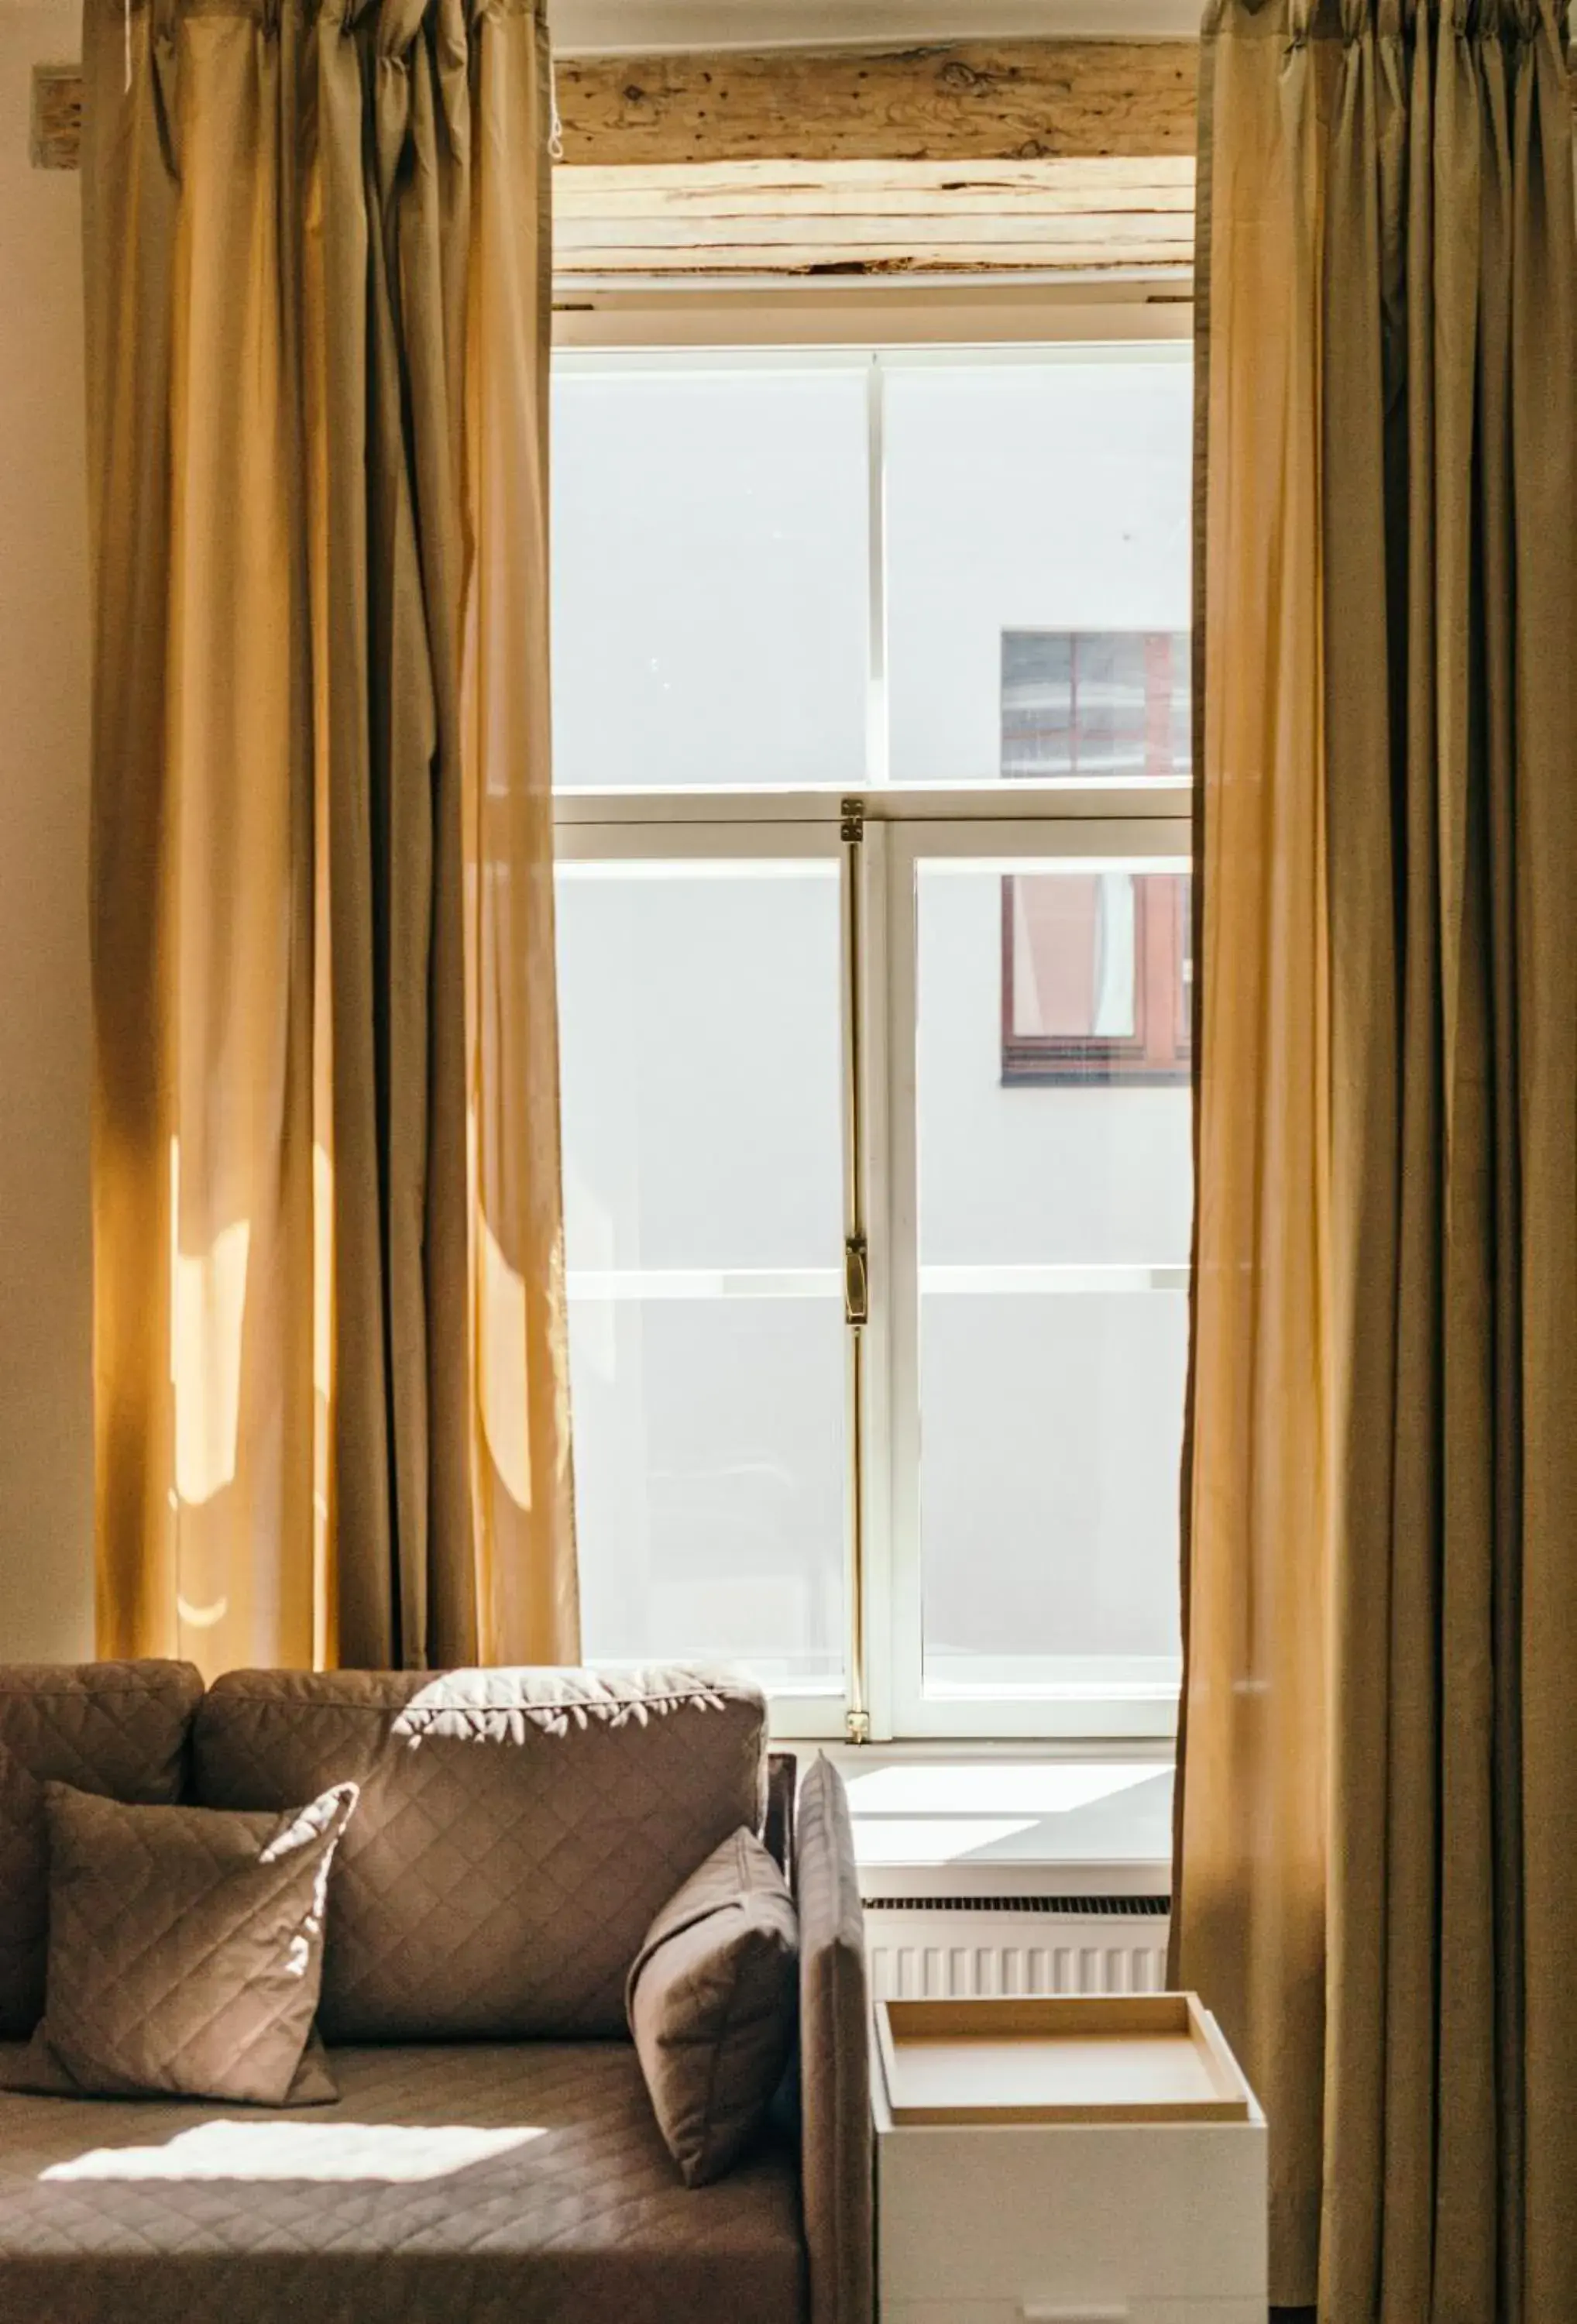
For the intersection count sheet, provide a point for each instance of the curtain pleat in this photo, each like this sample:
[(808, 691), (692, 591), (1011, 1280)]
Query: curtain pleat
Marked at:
[(329, 1348), (1251, 1858), (1377, 1807), (518, 1299)]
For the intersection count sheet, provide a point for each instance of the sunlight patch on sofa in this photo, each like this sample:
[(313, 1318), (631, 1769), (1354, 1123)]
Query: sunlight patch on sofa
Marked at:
[(400, 2154)]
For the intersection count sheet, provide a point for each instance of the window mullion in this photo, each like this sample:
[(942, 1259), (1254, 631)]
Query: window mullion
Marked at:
[(870, 999), (856, 1256), (878, 724)]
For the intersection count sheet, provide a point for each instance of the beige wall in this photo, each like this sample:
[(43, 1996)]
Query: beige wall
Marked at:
[(46, 1588)]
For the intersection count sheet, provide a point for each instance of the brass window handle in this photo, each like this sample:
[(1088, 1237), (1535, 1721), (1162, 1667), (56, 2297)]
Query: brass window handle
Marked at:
[(856, 1283)]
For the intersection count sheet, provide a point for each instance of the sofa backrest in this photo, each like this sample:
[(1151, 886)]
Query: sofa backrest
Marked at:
[(118, 1728), (516, 1833)]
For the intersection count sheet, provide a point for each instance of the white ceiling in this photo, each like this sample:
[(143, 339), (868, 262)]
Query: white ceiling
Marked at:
[(633, 26)]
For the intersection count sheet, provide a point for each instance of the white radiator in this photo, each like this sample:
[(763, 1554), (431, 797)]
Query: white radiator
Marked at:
[(948, 1945)]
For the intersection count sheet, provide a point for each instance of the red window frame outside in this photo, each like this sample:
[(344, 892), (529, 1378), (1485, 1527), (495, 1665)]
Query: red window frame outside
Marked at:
[(1160, 1049)]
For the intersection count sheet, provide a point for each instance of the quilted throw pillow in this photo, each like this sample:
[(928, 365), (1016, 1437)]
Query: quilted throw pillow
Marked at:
[(119, 1728), (185, 1950), (712, 2002)]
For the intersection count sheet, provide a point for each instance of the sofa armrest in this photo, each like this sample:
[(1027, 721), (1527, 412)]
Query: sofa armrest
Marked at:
[(836, 2145)]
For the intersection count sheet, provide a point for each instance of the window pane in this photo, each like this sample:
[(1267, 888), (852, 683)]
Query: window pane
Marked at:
[(701, 1071), (1037, 564), (1054, 1227), (711, 581), (1095, 706), (1075, 962)]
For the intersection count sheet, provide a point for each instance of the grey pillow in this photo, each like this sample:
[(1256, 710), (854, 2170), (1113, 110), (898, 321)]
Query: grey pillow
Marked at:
[(713, 2001), (184, 1951)]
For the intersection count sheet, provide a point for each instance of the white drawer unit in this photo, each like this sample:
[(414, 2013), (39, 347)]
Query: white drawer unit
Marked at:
[(1097, 2160)]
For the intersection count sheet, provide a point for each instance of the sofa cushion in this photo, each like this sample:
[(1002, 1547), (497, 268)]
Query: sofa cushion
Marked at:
[(466, 2185), (517, 1830), (117, 1728), (186, 1947), (714, 2002)]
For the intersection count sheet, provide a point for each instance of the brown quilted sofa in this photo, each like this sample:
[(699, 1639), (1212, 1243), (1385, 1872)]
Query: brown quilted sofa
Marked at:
[(516, 1833)]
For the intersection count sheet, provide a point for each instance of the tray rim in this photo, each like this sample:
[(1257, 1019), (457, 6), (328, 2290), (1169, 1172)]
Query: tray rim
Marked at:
[(997, 2016)]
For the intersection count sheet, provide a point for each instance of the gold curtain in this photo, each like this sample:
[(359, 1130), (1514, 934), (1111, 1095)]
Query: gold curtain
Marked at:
[(1378, 1813), (329, 1362)]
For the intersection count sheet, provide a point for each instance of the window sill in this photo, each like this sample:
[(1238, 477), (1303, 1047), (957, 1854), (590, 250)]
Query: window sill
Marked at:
[(945, 1821)]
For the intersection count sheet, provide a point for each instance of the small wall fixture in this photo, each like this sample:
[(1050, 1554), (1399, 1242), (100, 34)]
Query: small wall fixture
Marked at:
[(55, 128)]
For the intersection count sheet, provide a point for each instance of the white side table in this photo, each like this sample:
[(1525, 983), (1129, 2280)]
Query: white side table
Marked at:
[(1095, 2160)]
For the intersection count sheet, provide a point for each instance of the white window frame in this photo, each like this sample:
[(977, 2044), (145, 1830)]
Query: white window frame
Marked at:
[(1062, 830), (986, 821)]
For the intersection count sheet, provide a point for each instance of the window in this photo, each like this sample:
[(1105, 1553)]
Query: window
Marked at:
[(1109, 704), (1095, 970), (1096, 979), (870, 713), (703, 1091)]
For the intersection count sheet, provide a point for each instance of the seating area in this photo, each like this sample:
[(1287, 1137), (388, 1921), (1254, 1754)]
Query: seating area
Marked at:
[(136, 2210), (492, 2154)]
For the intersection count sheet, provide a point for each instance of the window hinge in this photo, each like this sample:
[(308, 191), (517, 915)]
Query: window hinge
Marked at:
[(853, 824), (856, 1283)]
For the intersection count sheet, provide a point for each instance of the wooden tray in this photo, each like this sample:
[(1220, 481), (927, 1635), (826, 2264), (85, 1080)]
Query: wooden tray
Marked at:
[(1140, 2057)]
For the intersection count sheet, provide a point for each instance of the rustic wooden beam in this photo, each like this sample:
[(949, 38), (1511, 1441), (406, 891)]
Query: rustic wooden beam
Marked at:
[(688, 221), (969, 101)]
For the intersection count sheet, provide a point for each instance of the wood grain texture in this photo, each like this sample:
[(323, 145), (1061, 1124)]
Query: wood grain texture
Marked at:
[(967, 101), (805, 219), (980, 101)]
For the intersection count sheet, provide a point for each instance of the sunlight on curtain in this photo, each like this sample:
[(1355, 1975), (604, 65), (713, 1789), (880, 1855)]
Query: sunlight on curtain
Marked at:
[(330, 1368), (1376, 1814)]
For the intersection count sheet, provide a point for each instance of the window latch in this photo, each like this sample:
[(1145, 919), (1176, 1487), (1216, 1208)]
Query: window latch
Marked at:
[(857, 1283)]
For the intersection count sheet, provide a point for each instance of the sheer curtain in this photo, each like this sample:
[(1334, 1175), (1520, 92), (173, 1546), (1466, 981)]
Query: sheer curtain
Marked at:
[(329, 1361), (1378, 1813)]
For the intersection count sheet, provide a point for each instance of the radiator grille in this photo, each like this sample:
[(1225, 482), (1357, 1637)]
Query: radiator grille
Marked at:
[(1155, 1908), (954, 1947)]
